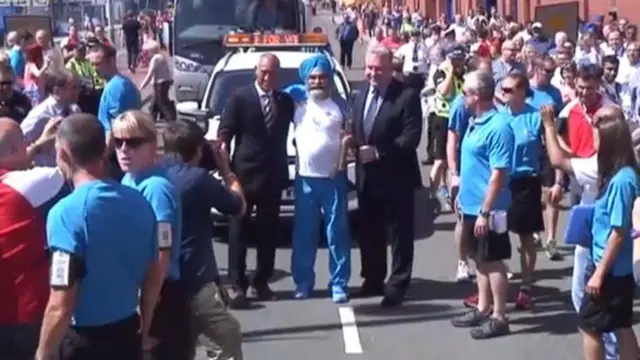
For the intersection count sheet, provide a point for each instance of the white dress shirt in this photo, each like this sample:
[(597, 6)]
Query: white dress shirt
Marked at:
[(317, 128), (406, 53), (626, 72)]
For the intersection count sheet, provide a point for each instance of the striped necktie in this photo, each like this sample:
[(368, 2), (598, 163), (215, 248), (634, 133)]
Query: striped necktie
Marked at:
[(267, 109)]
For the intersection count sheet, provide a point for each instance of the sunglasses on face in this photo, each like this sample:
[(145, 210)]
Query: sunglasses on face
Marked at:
[(548, 70), (131, 142), (507, 90), (6, 83)]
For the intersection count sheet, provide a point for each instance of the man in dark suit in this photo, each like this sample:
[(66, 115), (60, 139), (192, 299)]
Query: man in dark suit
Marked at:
[(387, 127), (257, 118)]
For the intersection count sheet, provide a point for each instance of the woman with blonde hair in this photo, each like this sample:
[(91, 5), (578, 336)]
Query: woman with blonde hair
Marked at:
[(134, 136), (159, 74)]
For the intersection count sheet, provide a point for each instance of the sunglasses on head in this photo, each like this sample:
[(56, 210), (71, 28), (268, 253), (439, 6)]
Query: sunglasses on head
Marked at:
[(130, 142)]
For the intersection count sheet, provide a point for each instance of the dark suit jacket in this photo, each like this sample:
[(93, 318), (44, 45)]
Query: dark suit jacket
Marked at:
[(396, 134), (260, 152)]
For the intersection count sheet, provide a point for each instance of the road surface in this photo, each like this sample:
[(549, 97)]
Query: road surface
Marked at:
[(317, 329)]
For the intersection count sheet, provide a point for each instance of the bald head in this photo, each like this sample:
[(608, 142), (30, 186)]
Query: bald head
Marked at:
[(269, 59), (83, 139), (12, 38), (10, 137), (267, 71)]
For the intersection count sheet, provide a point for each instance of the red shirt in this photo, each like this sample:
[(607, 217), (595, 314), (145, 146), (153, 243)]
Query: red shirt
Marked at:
[(25, 197), (578, 133), (391, 44), (484, 49)]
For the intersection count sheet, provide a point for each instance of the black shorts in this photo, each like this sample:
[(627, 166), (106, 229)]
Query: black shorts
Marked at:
[(171, 323), (438, 130), (525, 215), (120, 340), (612, 309), (493, 247)]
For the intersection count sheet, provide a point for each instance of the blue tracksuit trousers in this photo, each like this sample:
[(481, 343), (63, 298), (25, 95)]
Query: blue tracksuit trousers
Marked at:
[(316, 197)]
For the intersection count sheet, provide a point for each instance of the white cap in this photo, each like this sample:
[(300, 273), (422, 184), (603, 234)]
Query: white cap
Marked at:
[(536, 24)]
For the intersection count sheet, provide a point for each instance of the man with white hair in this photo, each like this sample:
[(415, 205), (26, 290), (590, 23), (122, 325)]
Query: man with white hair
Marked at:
[(486, 158), (558, 42), (321, 184), (387, 128)]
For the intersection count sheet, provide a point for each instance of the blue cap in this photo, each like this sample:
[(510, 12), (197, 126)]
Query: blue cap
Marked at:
[(456, 51)]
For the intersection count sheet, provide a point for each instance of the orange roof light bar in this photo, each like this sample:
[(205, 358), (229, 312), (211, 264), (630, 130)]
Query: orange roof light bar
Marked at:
[(245, 40)]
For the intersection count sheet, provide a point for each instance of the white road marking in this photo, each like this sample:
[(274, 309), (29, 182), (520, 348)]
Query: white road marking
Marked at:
[(349, 330)]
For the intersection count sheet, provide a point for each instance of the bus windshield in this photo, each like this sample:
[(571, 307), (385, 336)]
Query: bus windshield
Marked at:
[(212, 19)]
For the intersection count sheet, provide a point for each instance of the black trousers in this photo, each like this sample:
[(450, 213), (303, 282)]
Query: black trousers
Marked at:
[(346, 53), (119, 340), (161, 106), (265, 234), (171, 323), (389, 220), (133, 51), (89, 101)]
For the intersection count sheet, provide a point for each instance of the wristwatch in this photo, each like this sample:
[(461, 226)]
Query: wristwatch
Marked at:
[(484, 214)]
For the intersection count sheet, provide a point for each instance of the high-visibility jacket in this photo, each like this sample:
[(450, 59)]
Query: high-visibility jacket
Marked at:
[(87, 73), (442, 104)]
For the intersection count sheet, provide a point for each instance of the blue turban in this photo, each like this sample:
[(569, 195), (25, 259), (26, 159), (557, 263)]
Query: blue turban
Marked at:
[(297, 92), (316, 62)]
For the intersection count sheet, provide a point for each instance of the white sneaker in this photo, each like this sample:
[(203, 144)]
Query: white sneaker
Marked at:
[(509, 273), (463, 272), (551, 249)]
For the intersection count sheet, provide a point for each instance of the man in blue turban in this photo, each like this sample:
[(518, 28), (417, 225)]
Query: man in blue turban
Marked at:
[(320, 184)]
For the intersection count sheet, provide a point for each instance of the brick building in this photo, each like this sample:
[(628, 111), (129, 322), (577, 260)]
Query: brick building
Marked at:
[(525, 10)]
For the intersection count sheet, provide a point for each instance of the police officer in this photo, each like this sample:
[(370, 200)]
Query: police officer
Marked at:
[(78, 64), (134, 137), (415, 65), (486, 159), (448, 81), (103, 259)]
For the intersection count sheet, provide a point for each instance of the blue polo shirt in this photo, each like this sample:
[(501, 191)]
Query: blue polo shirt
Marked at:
[(199, 192), (120, 94), (487, 146), (459, 117), (111, 228), (546, 95), (613, 210), (155, 186), (527, 150), (17, 61)]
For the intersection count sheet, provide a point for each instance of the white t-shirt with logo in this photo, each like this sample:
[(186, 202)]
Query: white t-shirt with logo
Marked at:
[(317, 129), (585, 171)]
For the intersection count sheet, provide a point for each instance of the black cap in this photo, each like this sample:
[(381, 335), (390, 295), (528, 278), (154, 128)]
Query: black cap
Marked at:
[(456, 51)]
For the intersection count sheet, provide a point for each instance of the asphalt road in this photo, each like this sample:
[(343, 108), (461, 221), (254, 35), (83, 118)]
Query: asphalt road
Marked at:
[(317, 329)]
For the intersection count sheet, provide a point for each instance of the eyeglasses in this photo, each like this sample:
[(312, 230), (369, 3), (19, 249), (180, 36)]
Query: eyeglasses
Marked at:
[(131, 142)]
